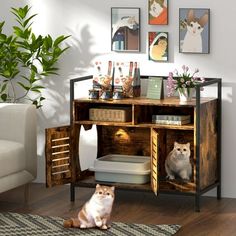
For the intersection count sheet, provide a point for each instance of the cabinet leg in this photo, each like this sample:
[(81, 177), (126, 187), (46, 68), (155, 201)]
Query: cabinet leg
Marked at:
[(219, 192), (72, 192), (197, 203)]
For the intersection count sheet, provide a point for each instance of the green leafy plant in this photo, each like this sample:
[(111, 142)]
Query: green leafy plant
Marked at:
[(26, 59)]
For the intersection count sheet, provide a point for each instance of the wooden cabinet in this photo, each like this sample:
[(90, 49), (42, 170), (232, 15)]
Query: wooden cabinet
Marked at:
[(139, 136)]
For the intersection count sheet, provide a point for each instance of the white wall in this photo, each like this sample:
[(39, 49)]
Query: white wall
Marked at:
[(88, 23)]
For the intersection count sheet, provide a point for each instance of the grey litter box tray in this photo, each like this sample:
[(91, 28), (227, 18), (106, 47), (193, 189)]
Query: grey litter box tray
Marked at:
[(122, 169)]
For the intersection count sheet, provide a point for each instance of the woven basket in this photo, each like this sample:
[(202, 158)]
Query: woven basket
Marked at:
[(115, 115)]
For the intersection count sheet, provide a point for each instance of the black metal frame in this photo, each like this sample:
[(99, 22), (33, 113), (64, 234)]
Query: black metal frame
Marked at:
[(199, 192)]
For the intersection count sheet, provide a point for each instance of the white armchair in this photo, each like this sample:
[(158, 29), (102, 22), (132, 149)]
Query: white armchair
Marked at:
[(18, 145)]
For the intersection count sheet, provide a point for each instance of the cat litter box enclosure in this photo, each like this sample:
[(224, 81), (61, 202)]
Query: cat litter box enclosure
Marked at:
[(122, 169)]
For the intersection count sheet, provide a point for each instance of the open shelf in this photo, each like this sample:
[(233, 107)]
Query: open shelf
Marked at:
[(130, 124), (91, 182), (106, 123), (165, 186), (160, 126), (168, 101)]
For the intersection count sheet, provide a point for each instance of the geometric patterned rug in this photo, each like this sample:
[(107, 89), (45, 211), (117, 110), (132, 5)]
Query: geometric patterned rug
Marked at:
[(15, 224)]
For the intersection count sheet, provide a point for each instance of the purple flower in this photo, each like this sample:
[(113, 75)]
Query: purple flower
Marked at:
[(170, 85), (182, 80)]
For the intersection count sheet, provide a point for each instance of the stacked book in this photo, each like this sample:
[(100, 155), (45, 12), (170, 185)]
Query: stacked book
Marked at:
[(171, 119)]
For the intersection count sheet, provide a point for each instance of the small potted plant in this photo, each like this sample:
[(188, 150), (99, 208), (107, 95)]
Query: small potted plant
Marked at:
[(26, 59), (184, 83)]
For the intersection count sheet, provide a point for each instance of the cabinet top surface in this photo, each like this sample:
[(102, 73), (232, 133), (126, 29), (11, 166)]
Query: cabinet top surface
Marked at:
[(169, 101)]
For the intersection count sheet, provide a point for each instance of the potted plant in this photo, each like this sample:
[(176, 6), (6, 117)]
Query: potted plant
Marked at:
[(184, 83), (26, 59)]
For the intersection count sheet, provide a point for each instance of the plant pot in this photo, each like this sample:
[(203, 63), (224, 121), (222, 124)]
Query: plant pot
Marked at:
[(185, 94)]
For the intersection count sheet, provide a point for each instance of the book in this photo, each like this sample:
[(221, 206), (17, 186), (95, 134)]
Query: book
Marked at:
[(155, 88), (171, 122), (171, 117)]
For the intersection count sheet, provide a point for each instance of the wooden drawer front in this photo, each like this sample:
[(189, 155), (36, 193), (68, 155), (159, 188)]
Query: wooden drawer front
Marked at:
[(58, 156)]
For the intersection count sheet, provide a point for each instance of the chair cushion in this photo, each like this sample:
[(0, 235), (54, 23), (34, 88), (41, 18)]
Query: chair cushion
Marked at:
[(12, 157)]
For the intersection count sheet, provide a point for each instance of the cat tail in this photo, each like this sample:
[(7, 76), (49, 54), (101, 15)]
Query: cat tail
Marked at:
[(70, 223)]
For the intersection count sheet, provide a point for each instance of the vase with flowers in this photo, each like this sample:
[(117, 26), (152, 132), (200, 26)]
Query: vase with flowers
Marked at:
[(184, 83)]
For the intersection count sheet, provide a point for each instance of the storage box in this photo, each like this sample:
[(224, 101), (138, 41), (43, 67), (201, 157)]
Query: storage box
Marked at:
[(127, 79), (109, 114), (122, 169), (103, 76)]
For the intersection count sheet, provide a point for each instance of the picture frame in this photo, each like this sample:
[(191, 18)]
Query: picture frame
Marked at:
[(125, 29), (158, 12), (155, 88), (158, 46), (194, 30)]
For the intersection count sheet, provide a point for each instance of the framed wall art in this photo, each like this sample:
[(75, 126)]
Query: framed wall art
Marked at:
[(155, 88), (125, 29), (194, 30), (158, 46), (158, 12)]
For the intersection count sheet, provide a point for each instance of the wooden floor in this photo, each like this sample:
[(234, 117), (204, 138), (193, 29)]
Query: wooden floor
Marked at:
[(217, 217)]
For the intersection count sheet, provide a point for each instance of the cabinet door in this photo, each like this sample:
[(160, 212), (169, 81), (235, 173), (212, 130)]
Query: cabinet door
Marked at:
[(154, 161), (58, 154)]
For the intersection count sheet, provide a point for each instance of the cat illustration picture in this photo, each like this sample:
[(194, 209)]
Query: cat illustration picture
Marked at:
[(158, 12), (177, 163), (125, 21), (96, 212), (125, 29), (158, 48), (194, 27)]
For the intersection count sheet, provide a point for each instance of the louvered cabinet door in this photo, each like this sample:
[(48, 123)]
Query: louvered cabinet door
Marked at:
[(154, 161), (58, 148)]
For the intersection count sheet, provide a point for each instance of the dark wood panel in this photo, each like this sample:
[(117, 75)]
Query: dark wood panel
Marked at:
[(127, 141), (208, 145), (56, 173)]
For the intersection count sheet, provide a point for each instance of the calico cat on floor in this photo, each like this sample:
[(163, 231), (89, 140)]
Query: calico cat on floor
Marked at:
[(177, 163), (96, 212)]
